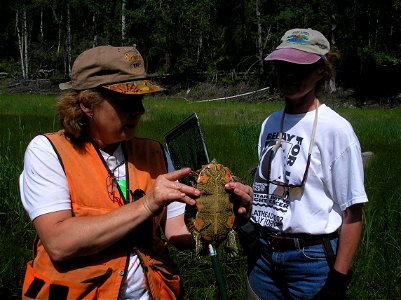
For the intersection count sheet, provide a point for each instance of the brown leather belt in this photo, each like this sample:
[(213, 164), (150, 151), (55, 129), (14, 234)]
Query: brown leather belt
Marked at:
[(290, 241)]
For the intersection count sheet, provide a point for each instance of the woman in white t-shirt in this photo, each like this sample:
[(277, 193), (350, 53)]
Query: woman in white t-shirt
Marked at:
[(308, 185), (97, 194)]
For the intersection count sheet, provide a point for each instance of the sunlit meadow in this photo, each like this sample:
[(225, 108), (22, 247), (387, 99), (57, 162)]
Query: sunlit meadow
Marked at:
[(231, 131)]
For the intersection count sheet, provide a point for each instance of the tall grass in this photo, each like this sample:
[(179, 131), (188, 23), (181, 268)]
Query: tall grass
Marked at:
[(231, 131)]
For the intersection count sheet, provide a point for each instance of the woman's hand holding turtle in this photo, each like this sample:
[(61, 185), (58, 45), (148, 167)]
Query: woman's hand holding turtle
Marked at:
[(241, 196), (167, 189)]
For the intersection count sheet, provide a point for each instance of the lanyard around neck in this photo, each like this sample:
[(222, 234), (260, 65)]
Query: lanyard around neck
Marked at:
[(312, 140)]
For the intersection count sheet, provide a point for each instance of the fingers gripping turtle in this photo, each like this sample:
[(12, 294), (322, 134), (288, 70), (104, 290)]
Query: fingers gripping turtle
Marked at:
[(213, 219)]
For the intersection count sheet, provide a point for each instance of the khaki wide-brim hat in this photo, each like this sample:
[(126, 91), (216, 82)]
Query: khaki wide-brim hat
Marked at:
[(301, 46), (119, 69)]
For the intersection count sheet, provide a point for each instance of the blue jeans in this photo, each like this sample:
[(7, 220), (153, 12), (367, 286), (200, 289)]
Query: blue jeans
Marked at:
[(292, 274)]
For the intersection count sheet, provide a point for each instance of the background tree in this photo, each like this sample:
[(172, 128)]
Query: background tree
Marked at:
[(186, 38)]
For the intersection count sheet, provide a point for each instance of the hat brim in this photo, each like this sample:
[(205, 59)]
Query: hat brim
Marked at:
[(293, 56), (138, 87)]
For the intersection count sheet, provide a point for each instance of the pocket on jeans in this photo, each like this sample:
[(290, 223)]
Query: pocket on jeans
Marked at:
[(315, 252)]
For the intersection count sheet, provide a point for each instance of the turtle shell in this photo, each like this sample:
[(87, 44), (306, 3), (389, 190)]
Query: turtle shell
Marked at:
[(214, 218)]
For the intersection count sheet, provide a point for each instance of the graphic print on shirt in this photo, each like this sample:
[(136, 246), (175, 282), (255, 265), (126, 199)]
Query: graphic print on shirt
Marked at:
[(271, 201)]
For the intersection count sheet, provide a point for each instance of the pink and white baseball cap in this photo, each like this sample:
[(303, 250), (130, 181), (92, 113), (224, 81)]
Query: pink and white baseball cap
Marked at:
[(301, 46)]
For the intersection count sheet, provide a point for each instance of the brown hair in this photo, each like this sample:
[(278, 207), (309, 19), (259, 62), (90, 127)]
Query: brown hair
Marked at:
[(329, 63), (328, 66), (71, 116)]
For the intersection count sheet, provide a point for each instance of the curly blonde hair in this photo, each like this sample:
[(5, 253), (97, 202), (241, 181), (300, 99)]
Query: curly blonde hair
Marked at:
[(70, 114)]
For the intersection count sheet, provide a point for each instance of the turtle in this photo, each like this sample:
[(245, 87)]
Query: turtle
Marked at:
[(211, 220)]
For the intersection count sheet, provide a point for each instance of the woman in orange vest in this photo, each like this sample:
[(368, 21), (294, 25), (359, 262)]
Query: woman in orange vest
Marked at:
[(97, 194)]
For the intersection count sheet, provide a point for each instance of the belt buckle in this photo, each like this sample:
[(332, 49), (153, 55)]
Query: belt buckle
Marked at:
[(277, 242)]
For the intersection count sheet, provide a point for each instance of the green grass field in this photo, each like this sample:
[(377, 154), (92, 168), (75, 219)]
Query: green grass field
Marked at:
[(231, 131)]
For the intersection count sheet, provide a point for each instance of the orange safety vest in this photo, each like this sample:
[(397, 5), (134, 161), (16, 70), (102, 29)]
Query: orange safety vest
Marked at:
[(101, 276)]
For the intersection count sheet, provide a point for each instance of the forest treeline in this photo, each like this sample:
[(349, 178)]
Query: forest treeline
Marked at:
[(41, 38)]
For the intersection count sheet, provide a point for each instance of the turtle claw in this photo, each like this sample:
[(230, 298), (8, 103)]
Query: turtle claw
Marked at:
[(231, 244), (199, 247), (192, 177)]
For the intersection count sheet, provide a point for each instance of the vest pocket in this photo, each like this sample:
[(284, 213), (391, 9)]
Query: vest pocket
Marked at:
[(168, 283), (37, 286)]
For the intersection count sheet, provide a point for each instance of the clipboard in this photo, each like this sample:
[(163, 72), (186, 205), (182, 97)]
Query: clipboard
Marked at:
[(186, 145)]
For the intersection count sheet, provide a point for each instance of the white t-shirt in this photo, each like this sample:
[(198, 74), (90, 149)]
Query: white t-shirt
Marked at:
[(44, 175), (334, 179)]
